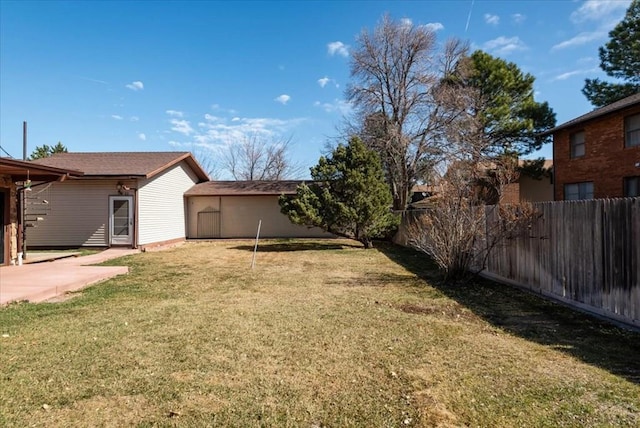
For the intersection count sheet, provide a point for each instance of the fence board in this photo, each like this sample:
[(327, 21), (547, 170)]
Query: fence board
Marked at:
[(585, 253)]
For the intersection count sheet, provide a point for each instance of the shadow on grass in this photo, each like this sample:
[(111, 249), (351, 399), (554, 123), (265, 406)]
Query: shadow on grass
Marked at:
[(531, 317), (293, 245)]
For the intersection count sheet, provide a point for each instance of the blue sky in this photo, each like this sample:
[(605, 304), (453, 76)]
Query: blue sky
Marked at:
[(201, 75)]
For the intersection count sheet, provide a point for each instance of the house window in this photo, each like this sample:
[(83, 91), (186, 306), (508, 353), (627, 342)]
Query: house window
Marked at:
[(576, 191), (632, 131), (577, 144), (631, 186)]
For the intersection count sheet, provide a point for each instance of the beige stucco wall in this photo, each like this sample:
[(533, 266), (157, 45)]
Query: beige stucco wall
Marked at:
[(239, 217), (533, 190), (195, 204)]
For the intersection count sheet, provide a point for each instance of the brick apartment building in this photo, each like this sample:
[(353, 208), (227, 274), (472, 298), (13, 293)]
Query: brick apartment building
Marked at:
[(597, 155)]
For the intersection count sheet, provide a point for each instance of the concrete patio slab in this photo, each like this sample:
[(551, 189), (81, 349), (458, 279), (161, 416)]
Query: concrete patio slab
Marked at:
[(38, 282), (40, 257)]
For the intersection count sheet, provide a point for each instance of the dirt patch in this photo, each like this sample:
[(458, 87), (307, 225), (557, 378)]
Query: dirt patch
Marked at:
[(452, 311)]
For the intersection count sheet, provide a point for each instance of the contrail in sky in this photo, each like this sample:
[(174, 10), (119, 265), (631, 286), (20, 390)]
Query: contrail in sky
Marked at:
[(469, 17)]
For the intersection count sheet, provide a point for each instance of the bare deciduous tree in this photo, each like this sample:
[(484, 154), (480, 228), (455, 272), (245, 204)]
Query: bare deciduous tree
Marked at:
[(207, 160), (457, 229), (254, 159), (397, 70), (469, 215)]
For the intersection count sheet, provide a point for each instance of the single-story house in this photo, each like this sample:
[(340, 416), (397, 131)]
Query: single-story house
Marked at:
[(17, 180), (133, 199), (233, 209)]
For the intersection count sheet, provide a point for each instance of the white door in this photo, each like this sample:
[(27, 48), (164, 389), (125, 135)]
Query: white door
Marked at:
[(121, 220)]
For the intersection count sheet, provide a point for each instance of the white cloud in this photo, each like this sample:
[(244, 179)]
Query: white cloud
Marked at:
[(136, 86), (142, 136), (434, 26), (339, 106), (212, 118), (134, 119), (580, 39), (223, 132), (283, 99), (94, 80), (598, 17), (338, 48), (518, 18), (491, 19), (181, 126), (175, 113), (323, 82), (565, 76), (116, 116), (504, 46), (407, 22), (598, 10), (218, 108)]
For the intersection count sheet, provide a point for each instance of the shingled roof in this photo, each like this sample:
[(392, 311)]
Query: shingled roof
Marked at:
[(122, 164), (602, 111), (244, 188), (23, 170)]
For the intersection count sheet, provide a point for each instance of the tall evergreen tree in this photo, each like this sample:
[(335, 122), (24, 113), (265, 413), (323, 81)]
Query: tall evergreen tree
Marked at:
[(349, 196), (500, 102), (44, 151), (619, 58)]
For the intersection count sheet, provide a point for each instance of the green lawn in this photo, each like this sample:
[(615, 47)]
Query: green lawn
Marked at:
[(320, 333)]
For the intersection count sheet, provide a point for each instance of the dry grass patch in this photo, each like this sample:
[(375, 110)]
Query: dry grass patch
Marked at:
[(321, 333)]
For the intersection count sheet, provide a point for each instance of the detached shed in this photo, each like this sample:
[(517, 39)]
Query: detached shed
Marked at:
[(232, 209)]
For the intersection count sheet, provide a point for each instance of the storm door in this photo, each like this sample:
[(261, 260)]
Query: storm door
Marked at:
[(120, 220)]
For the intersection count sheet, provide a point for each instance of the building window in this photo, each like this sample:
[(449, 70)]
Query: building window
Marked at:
[(576, 191), (631, 186), (632, 131), (577, 144)]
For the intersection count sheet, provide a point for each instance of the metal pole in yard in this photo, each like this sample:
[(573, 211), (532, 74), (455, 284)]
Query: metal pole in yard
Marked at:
[(255, 248)]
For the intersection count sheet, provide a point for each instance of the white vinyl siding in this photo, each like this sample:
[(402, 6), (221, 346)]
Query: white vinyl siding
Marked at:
[(161, 208), (77, 214)]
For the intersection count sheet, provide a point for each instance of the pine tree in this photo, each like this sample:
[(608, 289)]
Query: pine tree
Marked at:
[(349, 196), (44, 151), (619, 58)]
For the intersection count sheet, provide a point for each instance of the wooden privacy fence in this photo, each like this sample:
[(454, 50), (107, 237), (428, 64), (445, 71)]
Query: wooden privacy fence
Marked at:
[(583, 253)]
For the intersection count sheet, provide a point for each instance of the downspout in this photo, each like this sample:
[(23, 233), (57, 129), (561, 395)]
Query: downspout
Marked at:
[(135, 218), (19, 226), (22, 227)]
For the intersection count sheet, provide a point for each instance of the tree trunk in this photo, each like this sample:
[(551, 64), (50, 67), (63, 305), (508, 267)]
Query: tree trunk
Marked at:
[(368, 243)]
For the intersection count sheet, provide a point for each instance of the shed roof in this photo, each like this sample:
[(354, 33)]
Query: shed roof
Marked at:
[(122, 164), (244, 188), (21, 170), (602, 111)]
